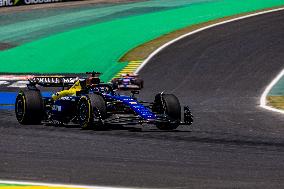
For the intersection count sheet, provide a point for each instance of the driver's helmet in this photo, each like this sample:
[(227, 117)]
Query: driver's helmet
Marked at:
[(125, 75)]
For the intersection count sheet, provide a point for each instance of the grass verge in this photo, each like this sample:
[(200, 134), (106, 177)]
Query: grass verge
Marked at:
[(276, 102), (141, 52)]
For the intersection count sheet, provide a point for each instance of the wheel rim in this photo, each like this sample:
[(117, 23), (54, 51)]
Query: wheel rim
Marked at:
[(20, 109), (83, 112)]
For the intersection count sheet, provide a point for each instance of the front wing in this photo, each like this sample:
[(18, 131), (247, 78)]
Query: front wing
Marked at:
[(127, 119)]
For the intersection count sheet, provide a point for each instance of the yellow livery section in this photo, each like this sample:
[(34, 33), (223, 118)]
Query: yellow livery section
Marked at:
[(72, 91)]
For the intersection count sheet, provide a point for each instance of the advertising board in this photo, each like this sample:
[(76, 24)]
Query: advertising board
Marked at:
[(9, 3)]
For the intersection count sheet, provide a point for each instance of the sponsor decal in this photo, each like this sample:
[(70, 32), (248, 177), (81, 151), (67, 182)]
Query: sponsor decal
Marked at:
[(28, 2), (15, 77), (8, 3), (21, 81), (56, 108), (54, 80), (4, 82), (69, 79), (68, 98), (45, 80), (19, 84)]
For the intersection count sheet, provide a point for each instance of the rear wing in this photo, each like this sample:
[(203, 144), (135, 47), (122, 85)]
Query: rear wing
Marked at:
[(129, 74), (52, 81)]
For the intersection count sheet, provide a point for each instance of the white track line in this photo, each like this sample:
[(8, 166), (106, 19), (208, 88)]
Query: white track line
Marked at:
[(263, 101), (59, 185)]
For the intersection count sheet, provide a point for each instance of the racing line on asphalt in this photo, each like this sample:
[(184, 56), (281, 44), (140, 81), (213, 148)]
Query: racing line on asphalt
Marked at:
[(220, 73)]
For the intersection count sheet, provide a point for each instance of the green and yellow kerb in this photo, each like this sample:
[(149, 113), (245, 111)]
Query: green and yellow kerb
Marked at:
[(130, 68)]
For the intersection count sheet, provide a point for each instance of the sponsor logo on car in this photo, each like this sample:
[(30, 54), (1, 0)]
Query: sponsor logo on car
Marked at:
[(67, 98), (53, 79), (56, 108), (45, 80), (21, 81)]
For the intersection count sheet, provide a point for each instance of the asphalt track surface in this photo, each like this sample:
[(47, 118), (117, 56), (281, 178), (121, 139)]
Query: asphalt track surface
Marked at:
[(233, 143)]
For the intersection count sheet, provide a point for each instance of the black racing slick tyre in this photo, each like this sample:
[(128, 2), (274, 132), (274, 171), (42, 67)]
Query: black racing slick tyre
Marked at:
[(168, 104), (91, 111), (140, 83), (115, 83), (115, 86), (29, 107)]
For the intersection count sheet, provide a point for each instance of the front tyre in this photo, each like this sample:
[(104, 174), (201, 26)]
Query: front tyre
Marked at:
[(29, 108), (169, 105), (91, 111)]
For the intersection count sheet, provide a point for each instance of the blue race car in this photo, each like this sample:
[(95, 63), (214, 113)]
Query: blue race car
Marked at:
[(93, 104), (128, 81)]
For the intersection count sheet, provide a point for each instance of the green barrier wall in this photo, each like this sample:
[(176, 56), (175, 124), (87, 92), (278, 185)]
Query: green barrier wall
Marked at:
[(98, 47)]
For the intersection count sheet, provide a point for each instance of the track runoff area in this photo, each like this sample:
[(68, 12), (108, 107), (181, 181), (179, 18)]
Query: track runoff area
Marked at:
[(21, 184)]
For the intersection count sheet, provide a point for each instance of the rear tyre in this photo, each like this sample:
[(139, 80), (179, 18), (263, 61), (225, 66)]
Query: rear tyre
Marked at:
[(114, 83), (91, 108), (140, 83), (115, 86), (168, 104), (29, 107)]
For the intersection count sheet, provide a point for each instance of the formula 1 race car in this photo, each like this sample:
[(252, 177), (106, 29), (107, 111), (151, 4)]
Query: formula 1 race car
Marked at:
[(93, 104), (128, 81)]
